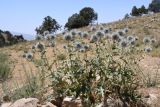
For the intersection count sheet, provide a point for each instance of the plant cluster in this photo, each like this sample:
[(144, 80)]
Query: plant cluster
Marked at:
[(110, 73)]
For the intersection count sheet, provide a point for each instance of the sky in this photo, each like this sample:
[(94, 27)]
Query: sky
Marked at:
[(25, 15)]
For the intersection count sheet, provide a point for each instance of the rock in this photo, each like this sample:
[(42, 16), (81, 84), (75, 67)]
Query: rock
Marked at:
[(152, 100), (69, 102), (48, 104), (29, 102), (6, 105)]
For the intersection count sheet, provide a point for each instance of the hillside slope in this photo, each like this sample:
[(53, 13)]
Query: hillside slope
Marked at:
[(139, 26)]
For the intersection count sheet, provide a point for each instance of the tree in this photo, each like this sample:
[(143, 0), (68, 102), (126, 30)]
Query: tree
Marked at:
[(88, 14), (48, 24), (135, 11), (143, 10), (126, 16), (154, 6), (75, 21)]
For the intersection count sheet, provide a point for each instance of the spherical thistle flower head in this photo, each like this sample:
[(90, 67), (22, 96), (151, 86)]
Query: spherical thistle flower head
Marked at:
[(132, 42), (93, 29), (45, 33), (73, 33), (115, 37), (93, 39), (126, 30), (123, 43), (50, 37), (82, 50), (78, 45), (85, 35), (106, 31), (121, 32), (86, 47), (147, 49), (99, 34), (65, 46), (130, 38), (40, 46), (29, 56), (146, 40), (52, 43), (68, 37), (153, 40), (33, 47)]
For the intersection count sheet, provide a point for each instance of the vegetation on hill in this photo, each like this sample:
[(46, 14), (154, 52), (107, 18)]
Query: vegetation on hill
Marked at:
[(86, 16), (49, 24), (7, 39)]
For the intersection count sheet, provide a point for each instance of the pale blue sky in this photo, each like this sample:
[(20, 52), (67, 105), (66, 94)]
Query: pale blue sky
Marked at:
[(25, 15)]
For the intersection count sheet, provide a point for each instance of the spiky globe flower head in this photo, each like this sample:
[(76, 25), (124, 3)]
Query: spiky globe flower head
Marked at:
[(65, 46), (33, 47), (29, 56), (82, 50), (45, 33), (52, 43), (93, 39), (86, 47), (99, 34), (50, 37), (146, 40), (132, 42), (106, 31), (126, 30), (85, 35), (130, 38), (73, 33), (121, 32), (93, 29), (147, 49), (123, 43), (115, 37), (78, 45), (153, 40), (68, 37), (40, 46)]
